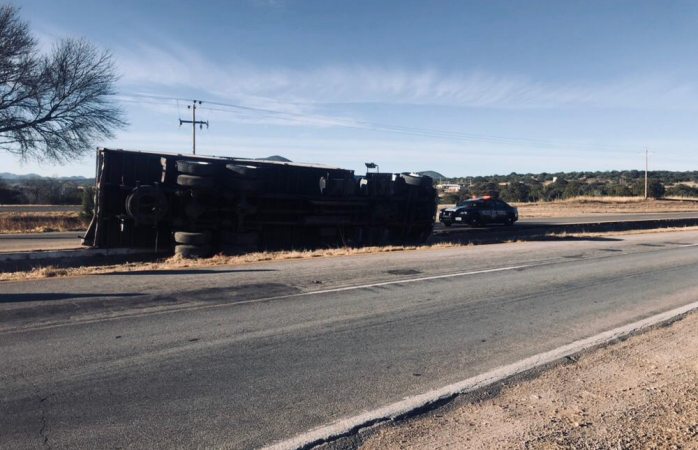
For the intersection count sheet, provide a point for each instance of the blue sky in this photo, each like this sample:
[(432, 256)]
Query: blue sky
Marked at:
[(464, 88)]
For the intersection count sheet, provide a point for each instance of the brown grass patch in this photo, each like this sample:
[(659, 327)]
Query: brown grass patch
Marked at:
[(41, 222), (566, 234), (604, 205)]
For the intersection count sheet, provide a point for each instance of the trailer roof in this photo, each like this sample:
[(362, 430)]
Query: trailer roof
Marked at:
[(226, 158)]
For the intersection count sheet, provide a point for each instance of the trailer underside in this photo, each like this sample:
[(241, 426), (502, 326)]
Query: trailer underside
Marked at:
[(199, 205)]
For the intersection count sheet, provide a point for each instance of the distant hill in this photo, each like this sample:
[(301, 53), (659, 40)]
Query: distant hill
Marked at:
[(432, 174), (275, 158), (14, 176)]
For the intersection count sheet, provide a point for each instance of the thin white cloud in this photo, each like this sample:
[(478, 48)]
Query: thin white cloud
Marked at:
[(275, 4), (179, 67)]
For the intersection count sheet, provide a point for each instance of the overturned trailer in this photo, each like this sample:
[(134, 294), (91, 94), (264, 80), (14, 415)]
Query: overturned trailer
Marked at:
[(196, 206)]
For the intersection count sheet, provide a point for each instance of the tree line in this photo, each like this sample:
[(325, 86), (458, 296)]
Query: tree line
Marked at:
[(558, 186), (43, 191)]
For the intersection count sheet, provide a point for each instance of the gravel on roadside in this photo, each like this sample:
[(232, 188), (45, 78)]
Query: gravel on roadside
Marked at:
[(638, 393)]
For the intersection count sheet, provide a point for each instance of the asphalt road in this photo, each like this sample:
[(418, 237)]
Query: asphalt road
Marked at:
[(588, 218), (68, 240), (23, 242), (239, 357)]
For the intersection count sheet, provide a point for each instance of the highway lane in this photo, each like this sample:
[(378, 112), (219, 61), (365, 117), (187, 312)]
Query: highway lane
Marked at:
[(68, 240), (243, 356), (22, 242), (583, 219)]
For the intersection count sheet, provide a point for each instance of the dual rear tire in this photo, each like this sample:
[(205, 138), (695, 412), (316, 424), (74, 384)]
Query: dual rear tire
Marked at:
[(193, 244)]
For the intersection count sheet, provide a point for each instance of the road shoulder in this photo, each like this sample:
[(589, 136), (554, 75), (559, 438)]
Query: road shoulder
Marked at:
[(639, 393)]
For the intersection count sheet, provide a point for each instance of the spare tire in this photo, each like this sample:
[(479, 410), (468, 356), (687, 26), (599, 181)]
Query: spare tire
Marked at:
[(202, 168), (194, 181), (147, 205), (193, 251), (185, 237)]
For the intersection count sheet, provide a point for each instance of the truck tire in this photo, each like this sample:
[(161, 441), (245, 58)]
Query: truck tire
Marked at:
[(147, 205), (194, 181), (188, 238), (243, 171), (412, 180), (193, 251), (200, 168)]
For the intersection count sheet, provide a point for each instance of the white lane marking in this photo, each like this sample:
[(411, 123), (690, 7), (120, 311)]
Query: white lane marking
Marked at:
[(408, 280), (538, 263), (533, 264), (264, 299), (400, 408)]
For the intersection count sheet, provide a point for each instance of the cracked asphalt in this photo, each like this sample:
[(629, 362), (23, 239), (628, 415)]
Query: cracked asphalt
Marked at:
[(244, 356)]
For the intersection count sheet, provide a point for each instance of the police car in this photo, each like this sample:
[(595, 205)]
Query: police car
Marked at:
[(479, 211)]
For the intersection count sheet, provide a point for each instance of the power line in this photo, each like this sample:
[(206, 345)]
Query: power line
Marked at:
[(397, 129)]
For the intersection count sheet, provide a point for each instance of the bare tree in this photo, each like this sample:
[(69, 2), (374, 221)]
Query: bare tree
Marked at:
[(53, 107)]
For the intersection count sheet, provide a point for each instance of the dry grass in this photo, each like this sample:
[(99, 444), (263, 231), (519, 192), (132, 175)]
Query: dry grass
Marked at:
[(176, 262), (685, 199), (41, 222), (565, 234), (591, 199), (604, 205)]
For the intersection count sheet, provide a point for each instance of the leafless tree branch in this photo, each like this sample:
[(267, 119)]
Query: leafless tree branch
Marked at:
[(53, 107)]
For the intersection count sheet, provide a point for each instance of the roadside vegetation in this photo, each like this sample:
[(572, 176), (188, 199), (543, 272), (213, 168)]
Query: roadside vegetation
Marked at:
[(48, 192), (42, 222), (36, 190)]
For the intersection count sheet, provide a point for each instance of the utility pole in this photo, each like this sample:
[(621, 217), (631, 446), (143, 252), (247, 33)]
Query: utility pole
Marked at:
[(647, 163), (194, 123)]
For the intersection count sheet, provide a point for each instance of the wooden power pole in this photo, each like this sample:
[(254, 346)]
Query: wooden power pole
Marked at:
[(647, 164), (194, 123)]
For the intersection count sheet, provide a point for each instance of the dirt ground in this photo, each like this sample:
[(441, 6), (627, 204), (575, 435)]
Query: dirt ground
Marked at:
[(599, 205), (641, 393)]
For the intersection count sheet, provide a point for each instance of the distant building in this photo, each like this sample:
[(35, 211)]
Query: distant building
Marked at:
[(449, 188)]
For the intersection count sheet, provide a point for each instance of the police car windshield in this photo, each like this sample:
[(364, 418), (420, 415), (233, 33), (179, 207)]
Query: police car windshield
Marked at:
[(471, 204)]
